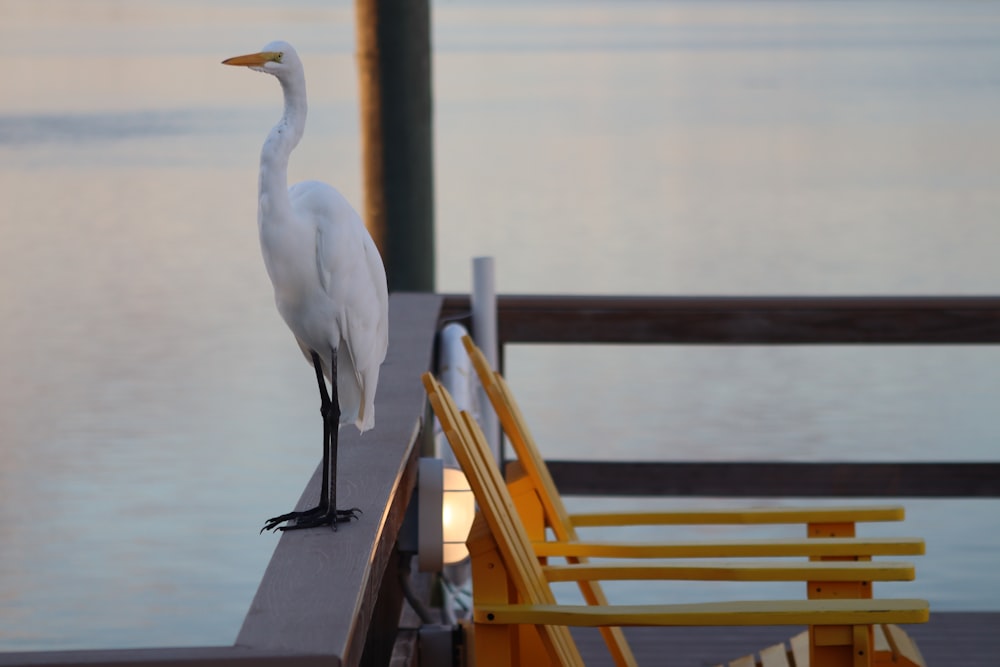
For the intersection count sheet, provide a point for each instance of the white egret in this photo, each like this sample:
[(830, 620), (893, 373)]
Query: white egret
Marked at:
[(329, 281)]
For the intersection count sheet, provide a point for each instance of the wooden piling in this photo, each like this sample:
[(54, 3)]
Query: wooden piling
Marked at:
[(394, 74)]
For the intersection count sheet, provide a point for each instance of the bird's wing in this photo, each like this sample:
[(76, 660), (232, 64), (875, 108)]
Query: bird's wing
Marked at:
[(355, 282), (366, 317), (352, 274)]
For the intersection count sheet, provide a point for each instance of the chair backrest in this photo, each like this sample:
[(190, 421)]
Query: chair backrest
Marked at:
[(497, 507), (533, 464), (528, 454), (501, 545)]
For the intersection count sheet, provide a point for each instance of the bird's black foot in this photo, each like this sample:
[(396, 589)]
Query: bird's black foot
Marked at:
[(317, 516)]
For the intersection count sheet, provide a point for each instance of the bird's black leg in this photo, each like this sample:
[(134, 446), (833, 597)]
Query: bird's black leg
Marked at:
[(332, 419), (326, 513), (326, 405)]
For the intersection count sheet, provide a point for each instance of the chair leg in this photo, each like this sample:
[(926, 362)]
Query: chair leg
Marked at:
[(841, 646), (894, 648), (493, 645)]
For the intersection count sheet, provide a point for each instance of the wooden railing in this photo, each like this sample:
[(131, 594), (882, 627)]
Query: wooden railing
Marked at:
[(778, 479), (763, 320), (741, 320), (333, 598)]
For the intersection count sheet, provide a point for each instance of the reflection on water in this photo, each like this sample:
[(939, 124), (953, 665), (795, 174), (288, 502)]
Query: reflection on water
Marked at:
[(153, 408), (27, 129)]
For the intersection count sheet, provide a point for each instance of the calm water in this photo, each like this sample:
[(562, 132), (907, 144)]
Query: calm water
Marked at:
[(153, 409)]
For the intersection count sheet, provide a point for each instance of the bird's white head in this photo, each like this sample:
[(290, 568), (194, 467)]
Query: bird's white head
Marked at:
[(277, 58)]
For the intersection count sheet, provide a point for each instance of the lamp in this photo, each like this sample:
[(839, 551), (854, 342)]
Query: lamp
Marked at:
[(446, 508)]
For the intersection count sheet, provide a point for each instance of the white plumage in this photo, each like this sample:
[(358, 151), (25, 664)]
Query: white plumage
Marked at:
[(329, 280)]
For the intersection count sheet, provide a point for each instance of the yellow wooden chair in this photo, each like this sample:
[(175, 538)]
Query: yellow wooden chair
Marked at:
[(518, 622), (540, 505)]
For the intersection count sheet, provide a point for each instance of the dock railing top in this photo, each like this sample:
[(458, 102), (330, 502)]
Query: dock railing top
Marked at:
[(776, 320)]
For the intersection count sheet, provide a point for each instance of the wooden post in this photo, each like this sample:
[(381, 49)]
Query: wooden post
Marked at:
[(394, 72), (495, 645)]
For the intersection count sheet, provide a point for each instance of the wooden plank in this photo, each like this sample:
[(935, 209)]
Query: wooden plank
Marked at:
[(826, 571), (901, 650), (742, 320), (753, 612), (758, 479), (816, 546), (774, 656), (743, 516), (800, 649), (498, 544), (320, 587)]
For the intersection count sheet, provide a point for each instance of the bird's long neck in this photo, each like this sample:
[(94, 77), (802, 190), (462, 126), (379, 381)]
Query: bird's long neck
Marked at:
[(284, 137)]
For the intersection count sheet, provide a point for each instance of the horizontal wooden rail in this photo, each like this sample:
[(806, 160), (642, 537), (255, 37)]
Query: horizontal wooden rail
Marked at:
[(767, 479), (758, 612), (733, 570), (741, 320), (756, 320), (745, 548)]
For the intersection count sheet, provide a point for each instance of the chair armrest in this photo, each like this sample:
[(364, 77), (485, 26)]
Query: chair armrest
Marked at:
[(762, 612), (809, 547), (735, 571), (741, 516)]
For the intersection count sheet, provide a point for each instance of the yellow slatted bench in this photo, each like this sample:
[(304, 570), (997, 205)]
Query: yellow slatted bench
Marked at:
[(518, 622), (732, 570), (541, 507)]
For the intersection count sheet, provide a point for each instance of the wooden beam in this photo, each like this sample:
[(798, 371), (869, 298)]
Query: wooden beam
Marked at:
[(320, 588), (394, 74), (742, 320), (758, 479), (755, 320)]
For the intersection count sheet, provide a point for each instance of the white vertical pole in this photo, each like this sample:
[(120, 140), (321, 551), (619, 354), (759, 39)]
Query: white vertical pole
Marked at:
[(459, 378), (484, 332)]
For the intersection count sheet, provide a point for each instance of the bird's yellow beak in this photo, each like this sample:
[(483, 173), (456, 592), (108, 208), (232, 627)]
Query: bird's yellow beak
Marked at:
[(254, 59)]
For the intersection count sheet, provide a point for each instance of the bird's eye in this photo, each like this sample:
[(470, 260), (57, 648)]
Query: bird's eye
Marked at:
[(280, 55)]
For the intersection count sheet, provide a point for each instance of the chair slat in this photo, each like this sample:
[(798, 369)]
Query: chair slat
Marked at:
[(800, 649), (774, 656), (744, 613), (742, 516), (496, 506), (767, 548), (735, 571)]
